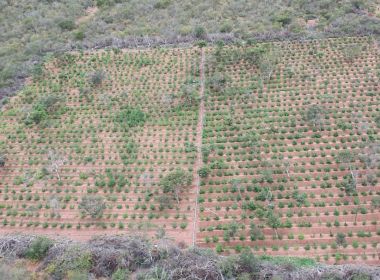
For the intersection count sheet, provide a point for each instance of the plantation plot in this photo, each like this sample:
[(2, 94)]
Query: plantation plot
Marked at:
[(88, 141), (109, 142), (291, 150)]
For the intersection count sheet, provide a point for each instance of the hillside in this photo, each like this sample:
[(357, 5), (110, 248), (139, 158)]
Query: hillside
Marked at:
[(272, 146), (30, 29)]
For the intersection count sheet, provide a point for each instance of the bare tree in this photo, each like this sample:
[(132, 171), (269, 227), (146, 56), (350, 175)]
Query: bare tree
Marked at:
[(348, 159), (56, 161), (314, 115), (371, 156), (267, 63), (287, 165), (93, 205), (54, 204), (146, 180)]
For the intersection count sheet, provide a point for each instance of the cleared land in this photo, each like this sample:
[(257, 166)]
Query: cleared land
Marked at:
[(289, 147)]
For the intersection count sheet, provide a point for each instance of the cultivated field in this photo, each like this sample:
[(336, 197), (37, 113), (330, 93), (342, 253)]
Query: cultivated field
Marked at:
[(280, 139)]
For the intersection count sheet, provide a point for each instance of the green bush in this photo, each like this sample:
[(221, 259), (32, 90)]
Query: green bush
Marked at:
[(130, 117), (120, 274), (162, 4), (2, 160), (67, 24), (38, 248), (79, 35), (204, 171), (200, 32)]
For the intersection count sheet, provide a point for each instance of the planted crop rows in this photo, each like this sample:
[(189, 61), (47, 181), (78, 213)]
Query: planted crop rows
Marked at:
[(289, 159)]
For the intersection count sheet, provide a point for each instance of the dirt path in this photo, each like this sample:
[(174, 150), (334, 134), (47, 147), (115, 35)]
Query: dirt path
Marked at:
[(199, 161)]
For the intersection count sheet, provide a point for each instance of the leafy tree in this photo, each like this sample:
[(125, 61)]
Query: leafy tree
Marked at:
[(93, 205), (341, 239), (217, 82), (255, 233), (350, 52), (176, 183), (189, 94), (314, 115), (273, 221), (96, 78), (267, 63), (347, 158)]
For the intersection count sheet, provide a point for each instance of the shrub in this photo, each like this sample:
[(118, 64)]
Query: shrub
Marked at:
[(12, 271), (162, 4), (247, 262), (130, 117), (67, 24), (120, 274), (64, 260), (226, 27), (43, 108), (93, 205), (38, 248), (217, 82), (200, 32), (96, 78), (350, 52), (79, 35), (204, 171), (2, 160), (361, 276)]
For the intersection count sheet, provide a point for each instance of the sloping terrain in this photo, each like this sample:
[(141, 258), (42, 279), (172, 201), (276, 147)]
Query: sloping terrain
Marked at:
[(304, 143), (30, 29), (289, 161)]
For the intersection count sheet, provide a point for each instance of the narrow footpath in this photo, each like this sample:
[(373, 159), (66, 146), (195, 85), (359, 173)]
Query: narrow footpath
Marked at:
[(199, 161)]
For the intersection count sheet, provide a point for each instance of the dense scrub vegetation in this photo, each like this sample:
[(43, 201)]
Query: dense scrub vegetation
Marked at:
[(30, 29), (131, 257)]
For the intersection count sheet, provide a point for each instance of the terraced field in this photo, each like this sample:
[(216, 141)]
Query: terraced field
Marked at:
[(281, 140)]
